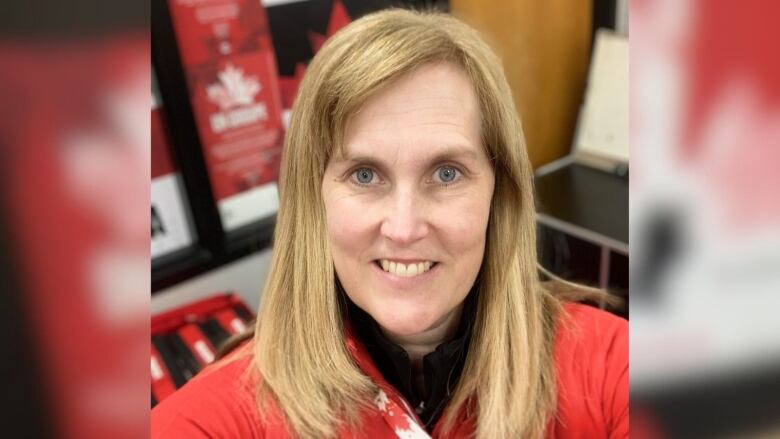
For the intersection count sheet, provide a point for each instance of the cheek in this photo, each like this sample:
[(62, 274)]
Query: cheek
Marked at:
[(349, 227), (350, 234), (464, 223)]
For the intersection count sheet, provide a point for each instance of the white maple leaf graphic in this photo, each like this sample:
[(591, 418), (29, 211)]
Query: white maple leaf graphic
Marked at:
[(233, 88), (381, 400), (413, 432)]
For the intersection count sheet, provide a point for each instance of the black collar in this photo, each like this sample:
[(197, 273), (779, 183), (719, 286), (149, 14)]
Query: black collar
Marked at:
[(441, 368)]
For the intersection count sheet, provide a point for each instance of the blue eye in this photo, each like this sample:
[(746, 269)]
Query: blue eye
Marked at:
[(364, 175), (447, 174)]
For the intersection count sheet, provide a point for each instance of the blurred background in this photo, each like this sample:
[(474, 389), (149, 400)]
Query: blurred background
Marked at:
[(78, 146)]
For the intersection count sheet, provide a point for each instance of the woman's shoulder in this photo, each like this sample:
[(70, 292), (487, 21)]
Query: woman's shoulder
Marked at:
[(218, 402), (591, 356), (576, 318), (586, 333)]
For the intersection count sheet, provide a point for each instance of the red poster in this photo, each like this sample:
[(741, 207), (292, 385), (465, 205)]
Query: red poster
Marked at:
[(230, 68)]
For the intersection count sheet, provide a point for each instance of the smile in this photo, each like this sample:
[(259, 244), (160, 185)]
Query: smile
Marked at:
[(405, 270)]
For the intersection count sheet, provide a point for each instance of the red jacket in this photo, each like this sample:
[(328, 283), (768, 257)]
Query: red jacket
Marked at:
[(591, 360)]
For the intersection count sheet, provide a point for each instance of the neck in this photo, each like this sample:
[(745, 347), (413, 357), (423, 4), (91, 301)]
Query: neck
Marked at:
[(423, 343)]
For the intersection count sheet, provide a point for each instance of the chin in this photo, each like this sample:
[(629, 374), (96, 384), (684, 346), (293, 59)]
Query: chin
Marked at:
[(406, 322)]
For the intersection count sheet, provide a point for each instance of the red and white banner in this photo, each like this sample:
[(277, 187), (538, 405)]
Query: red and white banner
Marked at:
[(230, 66)]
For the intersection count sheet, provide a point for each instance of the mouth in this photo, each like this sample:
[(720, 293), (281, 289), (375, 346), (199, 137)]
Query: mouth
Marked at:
[(409, 269)]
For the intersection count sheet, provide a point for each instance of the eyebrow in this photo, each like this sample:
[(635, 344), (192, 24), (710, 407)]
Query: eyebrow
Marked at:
[(447, 153)]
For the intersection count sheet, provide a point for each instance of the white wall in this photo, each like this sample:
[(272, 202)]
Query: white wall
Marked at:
[(245, 277)]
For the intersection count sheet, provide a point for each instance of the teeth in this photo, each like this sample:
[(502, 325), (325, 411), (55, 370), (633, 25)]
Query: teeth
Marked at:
[(405, 270)]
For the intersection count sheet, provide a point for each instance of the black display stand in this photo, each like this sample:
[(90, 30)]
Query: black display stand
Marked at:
[(582, 214)]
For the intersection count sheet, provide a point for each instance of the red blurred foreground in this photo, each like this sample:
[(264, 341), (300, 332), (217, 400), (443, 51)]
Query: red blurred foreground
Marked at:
[(75, 170), (705, 217)]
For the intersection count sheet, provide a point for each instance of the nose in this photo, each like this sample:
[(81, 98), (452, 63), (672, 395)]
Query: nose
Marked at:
[(405, 221)]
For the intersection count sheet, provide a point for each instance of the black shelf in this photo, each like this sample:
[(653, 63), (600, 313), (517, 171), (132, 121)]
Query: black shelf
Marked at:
[(582, 233), (586, 199)]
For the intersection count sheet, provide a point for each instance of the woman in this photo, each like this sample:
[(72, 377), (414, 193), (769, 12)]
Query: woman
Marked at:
[(403, 298)]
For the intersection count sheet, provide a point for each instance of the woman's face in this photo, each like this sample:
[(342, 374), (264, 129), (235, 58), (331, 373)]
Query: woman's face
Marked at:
[(408, 203)]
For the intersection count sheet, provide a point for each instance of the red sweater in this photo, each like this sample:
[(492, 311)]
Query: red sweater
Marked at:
[(591, 360)]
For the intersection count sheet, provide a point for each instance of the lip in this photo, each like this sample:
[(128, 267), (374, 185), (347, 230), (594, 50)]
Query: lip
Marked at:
[(405, 283), (406, 261)]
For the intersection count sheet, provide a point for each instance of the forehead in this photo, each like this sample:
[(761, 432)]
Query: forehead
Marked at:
[(430, 108)]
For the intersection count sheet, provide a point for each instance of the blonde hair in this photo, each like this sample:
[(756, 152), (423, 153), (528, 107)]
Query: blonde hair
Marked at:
[(508, 381)]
